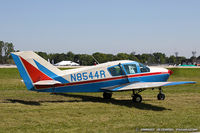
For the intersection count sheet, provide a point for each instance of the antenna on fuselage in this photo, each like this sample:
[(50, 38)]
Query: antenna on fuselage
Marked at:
[(95, 59)]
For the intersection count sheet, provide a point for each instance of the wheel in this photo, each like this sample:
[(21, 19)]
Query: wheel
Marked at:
[(137, 98), (107, 95), (161, 96)]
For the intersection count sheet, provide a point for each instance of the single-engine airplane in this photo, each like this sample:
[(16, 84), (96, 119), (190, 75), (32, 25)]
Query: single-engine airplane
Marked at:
[(41, 76)]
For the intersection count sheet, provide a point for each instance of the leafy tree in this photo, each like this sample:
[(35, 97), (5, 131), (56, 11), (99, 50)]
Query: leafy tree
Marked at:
[(144, 58), (193, 59), (1, 51), (77, 58), (43, 55), (172, 59), (100, 57), (59, 57), (85, 59), (70, 56), (160, 58), (182, 59), (5, 50), (133, 57), (10, 49), (198, 58), (122, 56)]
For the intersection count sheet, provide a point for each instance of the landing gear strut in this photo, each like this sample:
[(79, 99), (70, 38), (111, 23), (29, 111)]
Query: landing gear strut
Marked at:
[(136, 97), (160, 95), (107, 95)]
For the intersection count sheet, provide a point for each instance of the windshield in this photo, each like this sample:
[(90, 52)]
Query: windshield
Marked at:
[(143, 68)]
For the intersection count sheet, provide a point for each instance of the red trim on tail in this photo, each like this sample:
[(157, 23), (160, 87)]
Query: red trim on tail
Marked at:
[(34, 73)]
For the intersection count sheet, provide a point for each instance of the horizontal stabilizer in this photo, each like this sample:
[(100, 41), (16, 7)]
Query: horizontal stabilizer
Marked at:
[(145, 85), (47, 82)]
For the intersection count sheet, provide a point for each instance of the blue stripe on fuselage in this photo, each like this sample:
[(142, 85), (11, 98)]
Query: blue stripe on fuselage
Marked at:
[(91, 87), (96, 87), (152, 78)]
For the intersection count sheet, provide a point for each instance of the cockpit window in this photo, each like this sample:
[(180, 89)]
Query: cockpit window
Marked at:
[(143, 68), (130, 68), (115, 71)]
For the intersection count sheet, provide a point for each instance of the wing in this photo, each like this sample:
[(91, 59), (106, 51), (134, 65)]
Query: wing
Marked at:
[(144, 85)]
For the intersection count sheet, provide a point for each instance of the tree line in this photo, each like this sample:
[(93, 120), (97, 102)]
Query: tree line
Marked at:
[(86, 59)]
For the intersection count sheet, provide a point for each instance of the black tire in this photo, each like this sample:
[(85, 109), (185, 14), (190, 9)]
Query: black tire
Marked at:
[(137, 98), (107, 95), (161, 96)]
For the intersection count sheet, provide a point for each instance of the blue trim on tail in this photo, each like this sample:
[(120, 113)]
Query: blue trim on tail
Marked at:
[(23, 73), (50, 73)]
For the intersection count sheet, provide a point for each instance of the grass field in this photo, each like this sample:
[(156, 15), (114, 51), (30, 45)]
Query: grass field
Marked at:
[(25, 111)]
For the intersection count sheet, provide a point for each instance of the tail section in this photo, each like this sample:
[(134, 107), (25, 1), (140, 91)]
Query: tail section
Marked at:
[(33, 69)]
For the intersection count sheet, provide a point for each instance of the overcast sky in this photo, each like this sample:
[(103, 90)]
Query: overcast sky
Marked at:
[(109, 26)]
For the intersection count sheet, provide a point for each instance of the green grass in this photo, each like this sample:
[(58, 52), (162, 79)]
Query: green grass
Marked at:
[(26, 111)]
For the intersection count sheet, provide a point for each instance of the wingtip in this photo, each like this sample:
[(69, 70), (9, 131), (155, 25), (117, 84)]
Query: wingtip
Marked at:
[(193, 82)]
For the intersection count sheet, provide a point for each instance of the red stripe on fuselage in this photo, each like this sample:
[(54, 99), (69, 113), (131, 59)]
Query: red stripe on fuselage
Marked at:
[(117, 78), (79, 83), (147, 74), (102, 80), (34, 73)]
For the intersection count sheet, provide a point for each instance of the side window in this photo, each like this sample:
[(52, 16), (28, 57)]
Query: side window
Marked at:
[(143, 68), (130, 68), (115, 71)]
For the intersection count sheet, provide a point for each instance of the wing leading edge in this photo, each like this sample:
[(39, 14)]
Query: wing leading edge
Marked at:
[(144, 85)]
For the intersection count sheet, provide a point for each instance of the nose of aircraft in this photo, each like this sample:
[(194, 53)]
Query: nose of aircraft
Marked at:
[(170, 72), (160, 69)]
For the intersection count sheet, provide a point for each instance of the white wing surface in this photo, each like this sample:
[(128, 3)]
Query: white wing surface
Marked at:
[(144, 85)]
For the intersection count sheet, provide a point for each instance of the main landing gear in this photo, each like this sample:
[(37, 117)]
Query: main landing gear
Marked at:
[(136, 97), (160, 95)]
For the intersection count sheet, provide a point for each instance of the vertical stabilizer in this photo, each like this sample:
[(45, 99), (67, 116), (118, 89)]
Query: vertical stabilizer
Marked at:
[(34, 68)]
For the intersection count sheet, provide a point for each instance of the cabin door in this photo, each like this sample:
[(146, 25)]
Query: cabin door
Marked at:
[(131, 71)]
